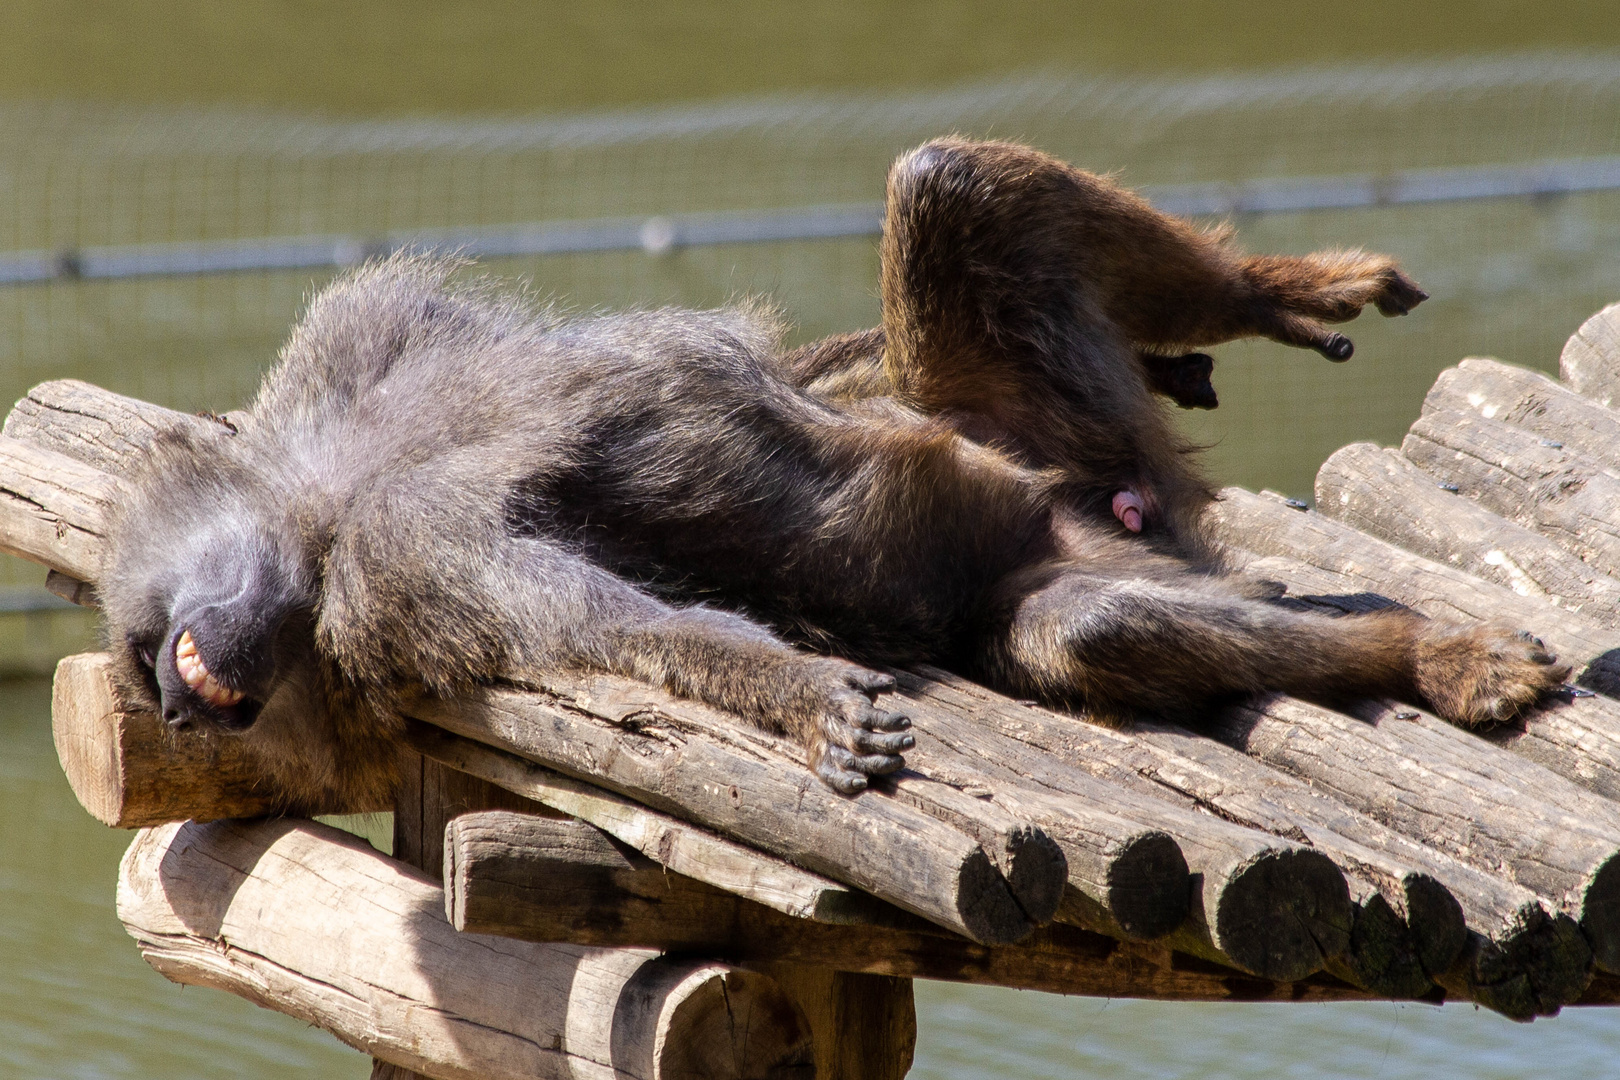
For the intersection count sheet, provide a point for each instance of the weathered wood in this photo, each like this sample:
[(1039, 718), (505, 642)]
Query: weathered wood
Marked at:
[(1413, 915), (1579, 739), (1528, 399), (129, 771), (1539, 483), (104, 430), (312, 922), (1591, 359), (1265, 904), (541, 880), (675, 844), (1487, 808), (1382, 493), (691, 761), (862, 1027), (53, 509)]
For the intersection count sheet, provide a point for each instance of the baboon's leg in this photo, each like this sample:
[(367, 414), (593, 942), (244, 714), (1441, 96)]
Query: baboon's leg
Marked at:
[(993, 251), (1138, 645)]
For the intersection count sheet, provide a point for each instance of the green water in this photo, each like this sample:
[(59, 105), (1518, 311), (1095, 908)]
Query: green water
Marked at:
[(146, 121)]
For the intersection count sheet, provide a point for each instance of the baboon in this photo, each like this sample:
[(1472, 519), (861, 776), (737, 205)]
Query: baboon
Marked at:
[(438, 485)]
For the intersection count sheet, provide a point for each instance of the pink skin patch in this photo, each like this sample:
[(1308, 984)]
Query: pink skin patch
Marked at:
[(1128, 508)]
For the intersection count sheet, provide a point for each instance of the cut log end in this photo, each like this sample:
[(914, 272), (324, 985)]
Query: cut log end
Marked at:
[(1435, 918), (712, 1023), (1037, 873), (1283, 914), (1539, 965), (1600, 914), (1149, 887), (989, 912)]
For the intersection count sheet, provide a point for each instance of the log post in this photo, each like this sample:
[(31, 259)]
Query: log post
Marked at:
[(312, 922)]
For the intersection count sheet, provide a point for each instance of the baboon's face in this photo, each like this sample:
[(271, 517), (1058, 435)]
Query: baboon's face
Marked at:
[(213, 631)]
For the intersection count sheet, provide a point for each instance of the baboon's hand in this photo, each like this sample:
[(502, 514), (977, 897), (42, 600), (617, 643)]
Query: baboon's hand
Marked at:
[(848, 738), (1484, 674)]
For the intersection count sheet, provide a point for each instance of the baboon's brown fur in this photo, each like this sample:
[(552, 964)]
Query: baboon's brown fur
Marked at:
[(438, 487)]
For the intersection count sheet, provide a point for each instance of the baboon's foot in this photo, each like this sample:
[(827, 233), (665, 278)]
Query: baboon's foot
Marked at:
[(847, 737), (1299, 295), (1484, 674), (1183, 379)]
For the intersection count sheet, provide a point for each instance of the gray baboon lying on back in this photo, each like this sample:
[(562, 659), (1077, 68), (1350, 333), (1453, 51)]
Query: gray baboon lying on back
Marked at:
[(438, 487)]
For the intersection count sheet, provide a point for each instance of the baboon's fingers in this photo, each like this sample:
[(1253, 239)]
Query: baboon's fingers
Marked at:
[(870, 683), (881, 720), (1401, 294), (847, 773), (868, 742)]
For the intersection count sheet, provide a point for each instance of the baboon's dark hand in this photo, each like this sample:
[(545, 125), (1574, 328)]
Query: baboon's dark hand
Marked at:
[(853, 738)]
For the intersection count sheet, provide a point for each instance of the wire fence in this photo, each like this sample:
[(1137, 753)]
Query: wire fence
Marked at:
[(164, 252)]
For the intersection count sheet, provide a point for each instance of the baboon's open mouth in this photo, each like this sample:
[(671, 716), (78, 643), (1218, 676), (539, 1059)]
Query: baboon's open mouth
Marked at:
[(197, 676)]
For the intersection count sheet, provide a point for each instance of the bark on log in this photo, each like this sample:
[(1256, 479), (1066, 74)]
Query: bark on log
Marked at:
[(1579, 738), (691, 761), (1382, 493), (1539, 483), (99, 428), (312, 922), (1591, 359), (1425, 896), (129, 771), (675, 844)]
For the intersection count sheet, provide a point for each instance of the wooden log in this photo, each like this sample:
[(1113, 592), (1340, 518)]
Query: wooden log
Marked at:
[(1414, 914), (1591, 359), (1539, 483), (675, 844), (71, 589), (99, 428), (1425, 779), (53, 509), (547, 880), (312, 922), (1265, 904), (691, 761), (1528, 399), (129, 771), (1382, 493)]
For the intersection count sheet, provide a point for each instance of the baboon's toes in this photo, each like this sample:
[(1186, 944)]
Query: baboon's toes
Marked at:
[(1485, 674), (1187, 381), (870, 683), (1400, 295), (1336, 347)]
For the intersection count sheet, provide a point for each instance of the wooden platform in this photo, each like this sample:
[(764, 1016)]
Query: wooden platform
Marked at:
[(1284, 851)]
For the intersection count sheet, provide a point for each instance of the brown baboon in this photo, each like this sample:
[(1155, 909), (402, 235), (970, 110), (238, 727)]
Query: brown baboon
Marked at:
[(438, 486)]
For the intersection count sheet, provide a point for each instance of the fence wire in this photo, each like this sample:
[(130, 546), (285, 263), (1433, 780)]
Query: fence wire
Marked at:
[(1297, 159)]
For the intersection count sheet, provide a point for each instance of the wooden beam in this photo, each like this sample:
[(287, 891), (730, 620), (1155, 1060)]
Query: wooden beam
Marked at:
[(1591, 359), (129, 771), (548, 880), (1385, 495), (1528, 399), (313, 922)]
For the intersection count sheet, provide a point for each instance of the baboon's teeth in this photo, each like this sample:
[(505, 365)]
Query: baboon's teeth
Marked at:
[(192, 669)]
